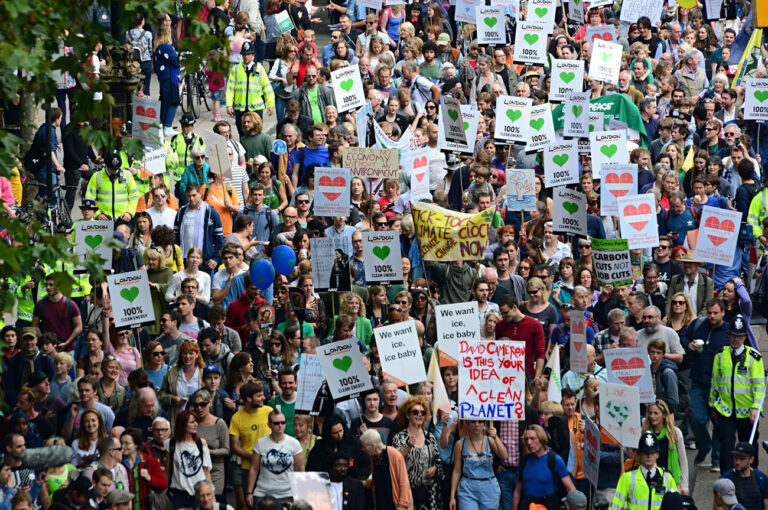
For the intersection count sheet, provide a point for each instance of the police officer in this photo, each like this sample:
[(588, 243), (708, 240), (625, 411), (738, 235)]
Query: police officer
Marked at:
[(643, 487), (114, 190), (182, 144), (737, 387), (248, 87)]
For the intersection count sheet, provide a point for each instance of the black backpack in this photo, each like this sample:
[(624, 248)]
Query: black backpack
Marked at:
[(560, 491)]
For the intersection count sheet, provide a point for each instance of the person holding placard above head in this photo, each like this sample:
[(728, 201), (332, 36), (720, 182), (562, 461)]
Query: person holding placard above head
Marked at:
[(644, 486)]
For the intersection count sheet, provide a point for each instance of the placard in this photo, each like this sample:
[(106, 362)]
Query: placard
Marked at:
[(348, 88), (309, 379), (616, 180), (373, 4), (576, 115), (284, 23), (131, 299), (417, 163), (631, 366), (567, 76), (632, 10), (344, 369), (561, 164), (603, 32), (453, 128), (611, 260), (470, 117), (578, 343), (512, 116), (542, 11), (361, 121), (718, 234), (372, 163), (332, 193), (756, 99), (146, 121), (605, 62), (381, 258), (591, 466), (491, 25), (531, 42), (596, 121), (312, 486), (459, 321), (92, 237), (541, 128), (216, 153), (330, 263), (620, 412), (154, 160), (638, 221), (576, 11), (555, 385), (447, 235), (570, 211), (607, 147), (521, 189), (465, 10), (492, 380), (400, 353)]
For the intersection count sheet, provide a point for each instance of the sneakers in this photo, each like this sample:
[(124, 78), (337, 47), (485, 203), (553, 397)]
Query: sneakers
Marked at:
[(217, 117), (168, 131), (714, 469)]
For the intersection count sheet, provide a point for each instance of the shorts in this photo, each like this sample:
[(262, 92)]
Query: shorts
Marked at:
[(218, 95)]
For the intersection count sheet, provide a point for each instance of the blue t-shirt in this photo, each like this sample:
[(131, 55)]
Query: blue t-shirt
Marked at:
[(318, 156), (537, 478)]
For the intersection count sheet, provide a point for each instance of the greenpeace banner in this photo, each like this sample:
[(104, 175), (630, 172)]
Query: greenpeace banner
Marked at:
[(446, 235), (492, 380), (612, 106), (718, 234), (611, 261)]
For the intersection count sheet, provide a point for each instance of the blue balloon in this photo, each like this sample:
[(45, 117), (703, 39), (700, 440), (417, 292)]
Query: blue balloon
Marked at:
[(262, 274), (283, 259)]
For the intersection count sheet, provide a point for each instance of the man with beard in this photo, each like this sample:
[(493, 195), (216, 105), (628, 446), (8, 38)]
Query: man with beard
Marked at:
[(652, 328)]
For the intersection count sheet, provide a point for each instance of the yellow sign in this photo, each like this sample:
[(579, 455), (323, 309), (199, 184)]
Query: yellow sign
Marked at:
[(447, 235), (761, 13)]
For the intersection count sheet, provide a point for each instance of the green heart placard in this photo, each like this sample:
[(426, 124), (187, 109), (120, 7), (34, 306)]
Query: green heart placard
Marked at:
[(609, 150), (606, 56), (490, 21), (381, 251), (93, 240), (466, 125), (560, 159), (514, 115), (576, 110), (537, 124), (531, 38), (130, 294), (571, 207), (347, 84), (761, 95), (343, 364), (567, 77), (541, 11), (591, 128), (453, 114)]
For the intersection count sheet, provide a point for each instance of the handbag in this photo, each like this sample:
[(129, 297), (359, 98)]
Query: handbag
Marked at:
[(159, 500)]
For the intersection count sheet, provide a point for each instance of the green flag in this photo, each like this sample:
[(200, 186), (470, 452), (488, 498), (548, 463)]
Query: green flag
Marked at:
[(613, 106)]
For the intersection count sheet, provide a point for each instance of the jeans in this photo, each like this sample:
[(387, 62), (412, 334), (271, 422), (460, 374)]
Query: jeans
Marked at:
[(146, 70), (167, 108), (280, 107), (699, 406), (61, 100), (72, 178), (727, 427), (507, 483), (261, 48)]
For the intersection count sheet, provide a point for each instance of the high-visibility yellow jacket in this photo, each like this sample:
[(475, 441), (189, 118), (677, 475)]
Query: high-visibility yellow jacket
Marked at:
[(183, 151), (26, 298), (113, 198), (737, 384), (758, 210), (248, 92), (633, 492)]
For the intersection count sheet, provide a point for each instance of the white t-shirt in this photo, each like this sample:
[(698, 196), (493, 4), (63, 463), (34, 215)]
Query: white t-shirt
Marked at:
[(276, 463), (188, 466), (166, 217), (338, 494)]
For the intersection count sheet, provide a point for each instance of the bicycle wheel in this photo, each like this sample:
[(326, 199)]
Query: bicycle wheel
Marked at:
[(61, 212), (183, 95), (202, 83), (194, 97)]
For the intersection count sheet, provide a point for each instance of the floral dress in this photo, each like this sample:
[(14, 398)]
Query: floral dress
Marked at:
[(426, 491)]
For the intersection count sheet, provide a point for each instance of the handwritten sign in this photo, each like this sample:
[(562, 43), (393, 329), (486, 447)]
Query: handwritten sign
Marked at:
[(448, 235), (381, 257), (332, 195), (453, 124), (146, 121), (576, 11), (131, 299), (465, 10), (637, 216), (308, 382), (344, 369), (606, 61), (632, 10), (216, 152), (570, 211), (348, 88), (400, 353), (591, 465), (617, 180), (756, 99), (92, 237), (540, 128), (718, 234), (578, 343), (492, 380), (491, 25), (372, 163), (576, 121), (561, 164), (567, 76), (417, 163), (620, 412), (631, 366), (456, 322), (531, 42), (512, 117), (611, 261), (154, 160), (521, 190)]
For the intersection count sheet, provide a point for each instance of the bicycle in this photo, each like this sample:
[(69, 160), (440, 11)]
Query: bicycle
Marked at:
[(194, 91)]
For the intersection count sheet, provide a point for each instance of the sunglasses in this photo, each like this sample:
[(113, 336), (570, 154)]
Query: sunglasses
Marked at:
[(381, 223), (199, 157), (275, 344), (159, 196), (316, 233), (198, 405), (158, 354), (311, 76), (401, 302), (422, 297), (663, 246), (416, 412), (278, 422), (678, 302), (431, 107), (302, 201), (533, 292), (395, 309), (585, 246)]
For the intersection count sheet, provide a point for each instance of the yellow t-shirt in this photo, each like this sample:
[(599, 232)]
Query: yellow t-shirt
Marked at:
[(16, 186), (249, 428)]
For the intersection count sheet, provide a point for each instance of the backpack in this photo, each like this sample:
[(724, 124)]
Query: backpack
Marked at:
[(560, 491), (172, 451), (136, 45)]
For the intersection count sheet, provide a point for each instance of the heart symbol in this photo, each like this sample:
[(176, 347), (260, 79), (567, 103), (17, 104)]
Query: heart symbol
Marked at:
[(613, 178), (531, 39), (93, 241), (591, 128), (567, 77), (490, 21), (347, 84), (453, 114), (619, 412), (609, 150), (149, 112), (578, 346), (331, 196), (541, 11), (381, 251), (761, 95), (578, 328), (591, 439), (724, 226), (420, 177), (571, 207), (576, 110), (343, 364), (338, 182), (560, 159), (606, 57), (130, 294), (642, 209), (537, 124), (420, 162), (466, 125), (514, 114), (604, 37), (629, 372), (591, 457)]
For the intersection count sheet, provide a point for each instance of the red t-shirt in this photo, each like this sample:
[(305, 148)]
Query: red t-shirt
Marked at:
[(235, 318), (57, 317), (531, 332)]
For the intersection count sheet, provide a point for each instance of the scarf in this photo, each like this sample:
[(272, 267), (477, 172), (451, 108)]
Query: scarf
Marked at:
[(200, 214), (29, 364), (673, 463)]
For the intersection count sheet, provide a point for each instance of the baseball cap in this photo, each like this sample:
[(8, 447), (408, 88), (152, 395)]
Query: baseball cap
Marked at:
[(30, 331), (743, 449), (443, 39), (727, 491), (576, 499), (211, 369)]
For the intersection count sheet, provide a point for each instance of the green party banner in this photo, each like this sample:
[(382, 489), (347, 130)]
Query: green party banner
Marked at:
[(610, 258)]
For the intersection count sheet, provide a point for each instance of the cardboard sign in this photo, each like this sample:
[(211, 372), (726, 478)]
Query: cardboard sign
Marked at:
[(216, 153), (570, 211), (344, 369), (561, 164), (607, 147), (373, 4), (576, 11), (596, 121), (632, 10), (447, 235), (284, 23), (381, 257), (603, 32), (312, 486), (531, 42), (372, 163), (605, 63), (611, 261), (92, 237), (309, 379), (541, 128), (637, 216), (756, 99), (332, 193), (620, 412), (631, 366), (542, 11), (616, 180), (718, 234), (459, 321), (521, 190), (347, 88), (578, 343), (154, 161), (146, 121), (492, 380), (491, 25), (470, 119), (567, 76), (330, 263), (465, 10), (591, 465), (576, 120), (453, 124), (440, 398), (131, 299), (417, 163), (400, 353), (512, 116)]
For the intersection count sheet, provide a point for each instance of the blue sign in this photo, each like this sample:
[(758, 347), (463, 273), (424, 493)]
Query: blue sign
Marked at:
[(279, 147)]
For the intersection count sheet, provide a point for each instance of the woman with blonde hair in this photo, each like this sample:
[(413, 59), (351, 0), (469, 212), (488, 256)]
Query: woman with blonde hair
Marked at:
[(192, 263), (488, 331), (376, 47), (392, 21), (539, 307), (672, 457), (679, 313), (280, 73), (588, 402), (352, 305)]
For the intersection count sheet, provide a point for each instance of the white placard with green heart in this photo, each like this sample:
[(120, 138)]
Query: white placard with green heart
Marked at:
[(284, 22), (348, 88), (344, 369), (542, 11), (576, 115), (567, 76), (569, 211), (756, 99), (512, 116), (400, 353), (92, 237), (606, 61), (531, 42), (453, 128), (131, 299), (540, 129), (576, 11), (608, 147), (561, 164), (381, 258), (620, 412), (470, 118), (490, 25)]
